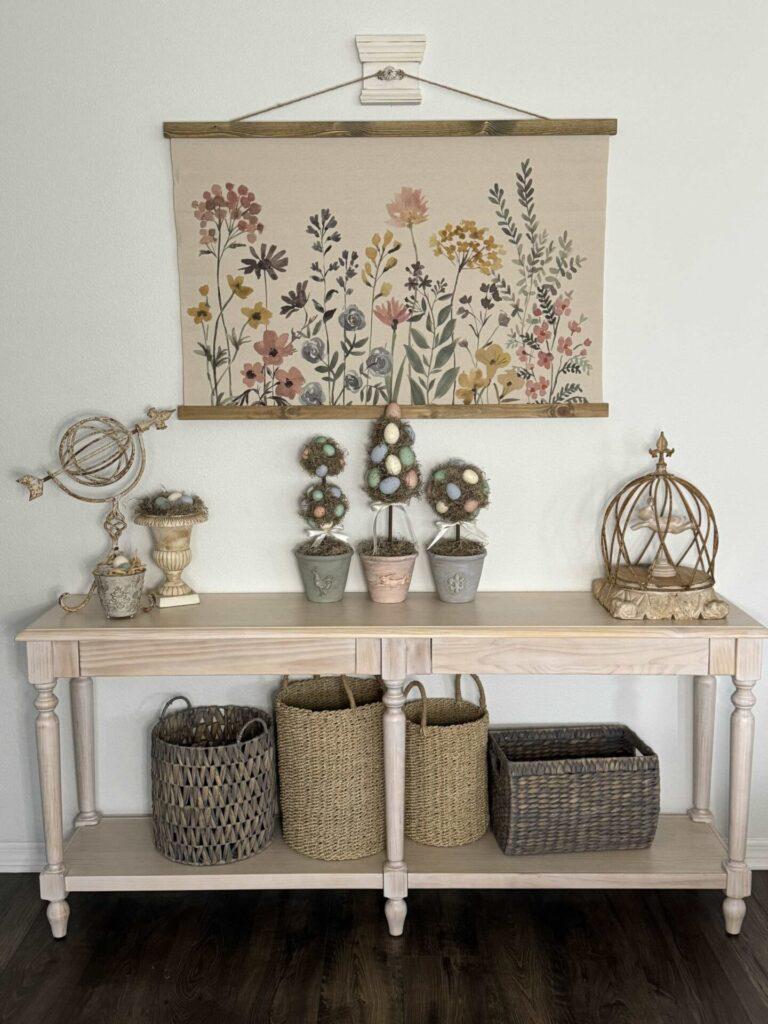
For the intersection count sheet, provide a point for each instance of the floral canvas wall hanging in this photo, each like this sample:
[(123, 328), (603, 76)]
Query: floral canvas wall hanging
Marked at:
[(454, 267)]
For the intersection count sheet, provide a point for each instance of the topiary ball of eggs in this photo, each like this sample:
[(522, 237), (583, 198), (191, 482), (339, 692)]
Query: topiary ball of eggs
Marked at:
[(323, 456), (323, 505), (457, 490), (392, 472)]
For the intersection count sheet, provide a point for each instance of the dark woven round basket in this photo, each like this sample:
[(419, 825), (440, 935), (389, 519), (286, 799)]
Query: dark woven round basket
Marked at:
[(214, 789)]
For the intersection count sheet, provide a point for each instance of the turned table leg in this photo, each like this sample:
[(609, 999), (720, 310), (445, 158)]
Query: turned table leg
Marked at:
[(395, 871), (704, 696), (52, 882), (738, 875), (81, 699)]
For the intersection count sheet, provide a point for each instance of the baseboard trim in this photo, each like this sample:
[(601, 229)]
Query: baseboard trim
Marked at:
[(25, 857)]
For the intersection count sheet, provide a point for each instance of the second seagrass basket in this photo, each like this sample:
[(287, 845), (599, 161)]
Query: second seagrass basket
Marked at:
[(214, 791), (331, 766), (446, 774)]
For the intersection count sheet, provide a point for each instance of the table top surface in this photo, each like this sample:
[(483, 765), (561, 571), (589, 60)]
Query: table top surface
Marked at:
[(500, 614)]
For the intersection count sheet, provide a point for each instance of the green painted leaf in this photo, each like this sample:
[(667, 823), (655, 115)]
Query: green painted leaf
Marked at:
[(419, 338), (446, 381), (417, 395), (443, 356), (443, 315), (414, 359), (447, 332)]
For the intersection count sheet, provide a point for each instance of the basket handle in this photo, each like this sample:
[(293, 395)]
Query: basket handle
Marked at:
[(480, 690), (179, 696), (250, 721), (423, 692), (284, 681)]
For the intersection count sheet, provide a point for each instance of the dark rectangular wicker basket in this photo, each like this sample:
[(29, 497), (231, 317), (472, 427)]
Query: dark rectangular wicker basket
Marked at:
[(572, 788)]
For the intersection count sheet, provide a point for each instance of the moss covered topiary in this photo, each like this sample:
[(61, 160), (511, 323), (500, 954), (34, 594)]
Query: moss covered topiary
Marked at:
[(323, 504)]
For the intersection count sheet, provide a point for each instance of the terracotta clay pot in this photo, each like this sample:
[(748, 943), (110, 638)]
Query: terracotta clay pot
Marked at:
[(388, 577)]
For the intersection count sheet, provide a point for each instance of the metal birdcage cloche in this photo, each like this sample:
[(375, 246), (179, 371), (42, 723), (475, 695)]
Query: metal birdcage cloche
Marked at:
[(659, 541)]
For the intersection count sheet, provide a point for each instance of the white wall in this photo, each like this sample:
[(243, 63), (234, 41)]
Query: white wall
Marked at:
[(90, 317)]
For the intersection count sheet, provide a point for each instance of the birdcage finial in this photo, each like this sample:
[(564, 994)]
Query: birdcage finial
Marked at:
[(661, 450)]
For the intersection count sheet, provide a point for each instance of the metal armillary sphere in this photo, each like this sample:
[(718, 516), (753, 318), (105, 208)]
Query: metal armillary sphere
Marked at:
[(99, 452), (659, 542)]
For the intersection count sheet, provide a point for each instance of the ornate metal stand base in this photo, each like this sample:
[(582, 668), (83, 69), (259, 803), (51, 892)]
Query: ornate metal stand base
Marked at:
[(626, 603)]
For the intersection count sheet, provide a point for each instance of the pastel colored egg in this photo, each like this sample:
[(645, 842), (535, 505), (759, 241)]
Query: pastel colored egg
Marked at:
[(336, 492), (406, 456), (389, 485), (378, 453), (393, 465), (319, 512), (317, 495), (174, 496), (305, 453), (441, 507), (328, 449), (471, 505), (439, 475), (393, 411), (322, 470), (408, 433), (374, 478), (120, 560), (453, 491), (320, 439), (186, 499), (162, 503), (391, 433), (411, 478), (339, 511), (469, 476)]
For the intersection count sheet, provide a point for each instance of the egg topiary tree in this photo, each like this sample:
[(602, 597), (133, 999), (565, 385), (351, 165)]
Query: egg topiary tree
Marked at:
[(392, 473), (457, 491)]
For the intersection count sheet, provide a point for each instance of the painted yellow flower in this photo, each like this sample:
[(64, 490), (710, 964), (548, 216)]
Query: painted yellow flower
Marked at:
[(468, 246), (242, 291), (203, 289), (494, 358), (257, 316), (469, 384), (200, 313), (510, 380)]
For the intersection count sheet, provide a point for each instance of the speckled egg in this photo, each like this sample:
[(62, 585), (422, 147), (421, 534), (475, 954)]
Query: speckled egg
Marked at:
[(441, 507), (439, 475), (453, 491), (322, 470), (336, 492), (411, 478), (186, 499), (391, 433), (393, 411), (406, 456), (378, 453), (374, 478), (162, 503), (318, 512), (471, 505), (393, 465), (339, 511), (174, 496), (469, 476), (328, 449), (389, 485), (317, 495)]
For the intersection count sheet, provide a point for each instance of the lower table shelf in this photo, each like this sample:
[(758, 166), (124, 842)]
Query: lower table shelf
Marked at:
[(118, 855)]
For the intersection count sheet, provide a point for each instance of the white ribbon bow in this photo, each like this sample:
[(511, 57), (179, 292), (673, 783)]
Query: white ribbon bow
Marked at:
[(334, 530), (380, 506), (469, 529)]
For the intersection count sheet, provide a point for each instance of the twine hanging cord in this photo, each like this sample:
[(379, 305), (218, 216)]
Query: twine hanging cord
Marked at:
[(389, 74)]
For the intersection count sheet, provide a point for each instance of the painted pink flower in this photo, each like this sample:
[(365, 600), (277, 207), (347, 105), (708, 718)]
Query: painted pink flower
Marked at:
[(289, 382), (533, 389), (562, 305), (587, 342), (522, 354), (274, 348), (409, 207), (252, 373), (542, 333), (574, 326), (565, 345), (392, 313), (545, 359)]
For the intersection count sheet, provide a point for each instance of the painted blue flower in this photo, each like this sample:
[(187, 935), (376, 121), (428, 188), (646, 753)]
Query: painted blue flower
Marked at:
[(352, 382), (379, 362), (313, 349), (352, 318), (312, 394)]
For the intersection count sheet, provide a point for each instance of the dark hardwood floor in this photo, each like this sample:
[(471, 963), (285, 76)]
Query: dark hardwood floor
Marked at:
[(306, 957)]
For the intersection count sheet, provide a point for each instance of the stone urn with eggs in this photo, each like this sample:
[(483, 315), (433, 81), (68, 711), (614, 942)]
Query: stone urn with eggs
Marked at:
[(392, 478), (324, 557), (457, 491), (170, 515)]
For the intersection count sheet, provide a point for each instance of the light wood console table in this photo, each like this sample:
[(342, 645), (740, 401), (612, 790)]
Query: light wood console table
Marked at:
[(503, 633)]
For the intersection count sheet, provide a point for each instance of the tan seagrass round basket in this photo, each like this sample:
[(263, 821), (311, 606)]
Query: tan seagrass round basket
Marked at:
[(331, 766), (446, 774), (214, 790)]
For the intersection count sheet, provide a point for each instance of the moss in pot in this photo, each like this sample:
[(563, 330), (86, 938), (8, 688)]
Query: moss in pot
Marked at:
[(392, 478), (324, 557), (457, 491)]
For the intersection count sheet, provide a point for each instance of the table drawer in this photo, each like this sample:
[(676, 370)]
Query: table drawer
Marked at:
[(588, 656), (215, 657)]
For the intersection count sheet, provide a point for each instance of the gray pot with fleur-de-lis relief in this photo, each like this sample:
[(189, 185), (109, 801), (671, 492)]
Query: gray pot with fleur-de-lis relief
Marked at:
[(324, 576), (456, 576)]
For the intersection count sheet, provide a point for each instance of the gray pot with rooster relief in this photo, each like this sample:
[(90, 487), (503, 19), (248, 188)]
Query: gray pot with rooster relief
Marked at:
[(456, 576), (324, 576)]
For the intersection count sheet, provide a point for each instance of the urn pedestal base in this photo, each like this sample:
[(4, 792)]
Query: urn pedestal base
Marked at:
[(161, 601), (625, 603)]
